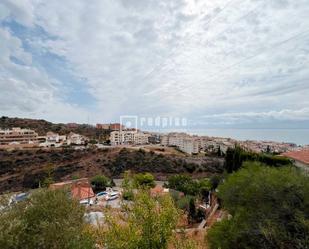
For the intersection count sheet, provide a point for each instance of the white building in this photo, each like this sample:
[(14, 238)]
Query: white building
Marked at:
[(184, 142), (128, 137), (17, 136), (54, 139), (189, 145), (141, 138), (164, 140), (76, 139)]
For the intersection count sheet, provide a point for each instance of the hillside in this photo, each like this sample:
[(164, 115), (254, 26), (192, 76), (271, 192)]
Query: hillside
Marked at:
[(26, 169), (42, 126)]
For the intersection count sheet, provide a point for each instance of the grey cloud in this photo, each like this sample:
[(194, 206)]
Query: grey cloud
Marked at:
[(24, 89), (21, 11), (184, 57)]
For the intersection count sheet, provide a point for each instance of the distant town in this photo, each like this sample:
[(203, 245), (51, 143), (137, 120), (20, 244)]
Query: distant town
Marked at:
[(119, 135)]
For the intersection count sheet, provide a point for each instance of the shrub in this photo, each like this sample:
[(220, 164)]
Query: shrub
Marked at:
[(100, 182), (144, 180), (49, 219), (269, 208)]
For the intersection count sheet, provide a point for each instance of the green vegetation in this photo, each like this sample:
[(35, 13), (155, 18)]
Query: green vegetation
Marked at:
[(215, 181), (144, 180), (100, 182), (49, 179), (127, 186), (235, 157), (194, 190), (192, 211), (137, 181), (269, 208), (188, 186), (49, 219), (148, 225)]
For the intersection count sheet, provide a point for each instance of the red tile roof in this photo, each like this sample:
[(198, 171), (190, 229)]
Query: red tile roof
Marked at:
[(80, 188), (82, 191), (300, 155)]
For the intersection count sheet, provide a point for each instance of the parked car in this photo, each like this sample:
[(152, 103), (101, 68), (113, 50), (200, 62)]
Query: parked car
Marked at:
[(87, 202), (18, 198), (102, 194), (112, 196)]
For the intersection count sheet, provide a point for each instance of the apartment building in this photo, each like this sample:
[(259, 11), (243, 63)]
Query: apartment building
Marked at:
[(189, 145), (116, 127), (112, 126), (154, 138), (103, 126), (164, 140), (72, 125), (182, 141), (18, 136), (128, 137), (141, 138)]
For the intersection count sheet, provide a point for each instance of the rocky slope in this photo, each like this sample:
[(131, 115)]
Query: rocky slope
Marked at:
[(25, 169), (42, 127)]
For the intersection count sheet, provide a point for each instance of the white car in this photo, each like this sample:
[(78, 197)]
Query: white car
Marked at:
[(86, 202), (112, 196)]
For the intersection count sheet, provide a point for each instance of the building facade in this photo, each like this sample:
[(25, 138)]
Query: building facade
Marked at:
[(113, 126), (18, 136), (184, 142), (103, 126), (76, 139), (128, 137)]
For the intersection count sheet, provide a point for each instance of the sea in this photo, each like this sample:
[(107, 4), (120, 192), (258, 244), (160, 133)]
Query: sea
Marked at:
[(297, 136)]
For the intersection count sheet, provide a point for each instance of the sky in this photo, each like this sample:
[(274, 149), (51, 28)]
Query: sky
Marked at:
[(217, 63)]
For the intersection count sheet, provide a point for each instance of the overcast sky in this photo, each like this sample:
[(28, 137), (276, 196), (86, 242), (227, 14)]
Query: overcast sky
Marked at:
[(238, 63)]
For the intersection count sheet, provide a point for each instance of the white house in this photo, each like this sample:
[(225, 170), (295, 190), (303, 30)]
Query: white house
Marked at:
[(74, 138)]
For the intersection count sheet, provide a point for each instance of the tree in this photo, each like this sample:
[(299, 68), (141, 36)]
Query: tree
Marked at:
[(215, 181), (100, 182), (204, 186), (48, 219), (189, 186), (144, 180), (219, 152), (235, 157), (268, 150), (192, 211), (148, 224), (269, 208), (49, 179), (181, 183), (127, 186)]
